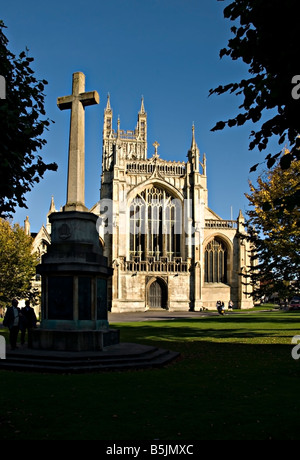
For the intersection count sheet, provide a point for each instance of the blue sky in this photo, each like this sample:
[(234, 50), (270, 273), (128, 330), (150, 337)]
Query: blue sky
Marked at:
[(165, 50)]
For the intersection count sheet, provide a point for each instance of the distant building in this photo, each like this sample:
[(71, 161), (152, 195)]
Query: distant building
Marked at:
[(41, 241)]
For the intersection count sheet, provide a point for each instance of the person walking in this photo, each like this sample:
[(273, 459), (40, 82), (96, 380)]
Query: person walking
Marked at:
[(12, 322), (220, 307), (28, 321)]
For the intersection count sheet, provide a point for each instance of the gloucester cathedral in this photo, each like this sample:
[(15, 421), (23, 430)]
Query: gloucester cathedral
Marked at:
[(167, 248)]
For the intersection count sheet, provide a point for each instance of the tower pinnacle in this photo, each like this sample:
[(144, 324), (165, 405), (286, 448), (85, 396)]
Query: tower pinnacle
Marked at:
[(108, 102), (142, 110)]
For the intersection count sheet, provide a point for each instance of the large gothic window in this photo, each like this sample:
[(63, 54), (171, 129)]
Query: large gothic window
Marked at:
[(155, 225), (216, 262)]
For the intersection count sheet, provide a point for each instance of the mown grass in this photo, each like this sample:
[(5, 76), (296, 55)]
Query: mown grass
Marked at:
[(235, 379)]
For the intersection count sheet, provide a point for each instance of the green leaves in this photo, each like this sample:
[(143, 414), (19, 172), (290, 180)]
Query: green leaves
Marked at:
[(269, 48), (219, 126), (22, 128), (17, 263), (254, 168), (274, 230), (285, 161)]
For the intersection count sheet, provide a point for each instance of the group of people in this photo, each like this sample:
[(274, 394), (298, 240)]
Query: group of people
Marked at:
[(19, 319), (221, 307)]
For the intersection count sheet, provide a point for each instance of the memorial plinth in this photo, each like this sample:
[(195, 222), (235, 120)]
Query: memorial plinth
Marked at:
[(74, 271), (74, 287)]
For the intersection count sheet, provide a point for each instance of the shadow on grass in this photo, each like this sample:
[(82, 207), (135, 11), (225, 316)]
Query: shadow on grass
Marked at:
[(259, 329), (224, 390)]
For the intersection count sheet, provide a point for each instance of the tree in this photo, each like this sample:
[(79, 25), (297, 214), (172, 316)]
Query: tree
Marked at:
[(22, 125), (17, 262), (266, 39), (274, 230)]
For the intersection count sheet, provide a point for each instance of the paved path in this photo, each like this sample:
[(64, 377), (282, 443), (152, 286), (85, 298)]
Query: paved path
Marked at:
[(157, 315), (164, 315)]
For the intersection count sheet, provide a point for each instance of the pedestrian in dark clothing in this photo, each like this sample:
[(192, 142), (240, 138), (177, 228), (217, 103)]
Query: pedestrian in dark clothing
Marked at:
[(220, 307), (28, 321), (12, 322)]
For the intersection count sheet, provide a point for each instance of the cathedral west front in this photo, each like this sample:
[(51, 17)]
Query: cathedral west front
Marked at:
[(167, 248)]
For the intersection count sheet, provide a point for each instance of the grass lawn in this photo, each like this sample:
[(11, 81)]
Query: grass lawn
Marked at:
[(235, 379)]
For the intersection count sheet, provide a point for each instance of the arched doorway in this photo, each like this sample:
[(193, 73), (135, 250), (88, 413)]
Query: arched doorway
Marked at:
[(157, 295)]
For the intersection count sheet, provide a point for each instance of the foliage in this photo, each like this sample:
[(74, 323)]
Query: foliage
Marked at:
[(17, 263), (21, 129), (274, 229), (266, 39)]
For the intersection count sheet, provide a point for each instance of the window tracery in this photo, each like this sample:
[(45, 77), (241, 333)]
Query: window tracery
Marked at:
[(216, 255), (155, 225)]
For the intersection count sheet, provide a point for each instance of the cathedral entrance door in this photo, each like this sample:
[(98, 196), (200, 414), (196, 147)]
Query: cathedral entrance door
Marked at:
[(157, 295)]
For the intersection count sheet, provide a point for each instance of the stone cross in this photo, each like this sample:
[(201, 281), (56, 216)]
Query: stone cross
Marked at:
[(156, 145), (77, 102)]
